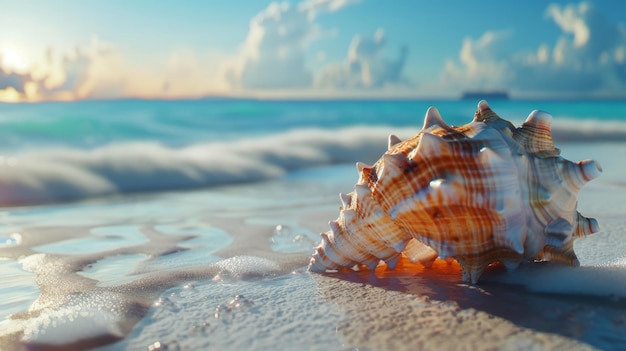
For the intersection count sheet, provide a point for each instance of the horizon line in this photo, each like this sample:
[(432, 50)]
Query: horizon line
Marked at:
[(331, 98)]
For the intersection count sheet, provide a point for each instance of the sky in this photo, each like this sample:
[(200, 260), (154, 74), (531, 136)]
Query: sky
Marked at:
[(72, 49)]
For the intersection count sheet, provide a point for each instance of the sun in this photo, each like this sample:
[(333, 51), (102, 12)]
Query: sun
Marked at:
[(12, 60)]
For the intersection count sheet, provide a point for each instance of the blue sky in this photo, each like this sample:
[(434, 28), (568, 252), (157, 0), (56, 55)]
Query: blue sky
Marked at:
[(313, 48)]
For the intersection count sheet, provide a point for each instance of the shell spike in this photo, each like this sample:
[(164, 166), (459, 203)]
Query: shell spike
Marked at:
[(361, 191), (535, 135), (360, 166), (433, 118), (334, 227), (585, 226), (392, 262), (364, 172), (472, 271), (345, 199), (392, 141), (325, 256), (483, 106), (316, 265), (539, 119), (372, 264), (577, 174), (589, 169), (484, 112)]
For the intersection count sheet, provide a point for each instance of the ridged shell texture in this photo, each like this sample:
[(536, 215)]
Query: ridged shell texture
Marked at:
[(478, 193)]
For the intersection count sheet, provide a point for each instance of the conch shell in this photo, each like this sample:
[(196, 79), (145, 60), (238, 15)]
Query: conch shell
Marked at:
[(478, 193)]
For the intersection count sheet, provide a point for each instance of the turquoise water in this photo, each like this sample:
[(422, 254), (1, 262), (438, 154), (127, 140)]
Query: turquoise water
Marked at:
[(90, 124)]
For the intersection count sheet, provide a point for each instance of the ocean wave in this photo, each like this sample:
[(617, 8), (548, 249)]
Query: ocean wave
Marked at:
[(588, 130), (42, 176)]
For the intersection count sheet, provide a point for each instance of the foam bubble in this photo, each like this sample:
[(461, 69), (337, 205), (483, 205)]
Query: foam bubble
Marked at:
[(72, 323), (246, 267)]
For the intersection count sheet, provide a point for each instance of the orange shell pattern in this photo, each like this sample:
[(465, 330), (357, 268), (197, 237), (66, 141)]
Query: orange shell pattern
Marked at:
[(478, 193)]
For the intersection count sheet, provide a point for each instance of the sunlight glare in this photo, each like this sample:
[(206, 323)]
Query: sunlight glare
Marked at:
[(12, 60)]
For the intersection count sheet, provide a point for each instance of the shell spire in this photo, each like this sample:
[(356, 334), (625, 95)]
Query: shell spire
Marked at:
[(484, 112), (479, 193)]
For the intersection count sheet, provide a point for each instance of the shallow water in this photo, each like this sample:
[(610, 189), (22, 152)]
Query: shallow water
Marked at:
[(126, 251), (225, 268)]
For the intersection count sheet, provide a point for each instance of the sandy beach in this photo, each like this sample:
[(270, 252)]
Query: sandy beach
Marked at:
[(136, 272)]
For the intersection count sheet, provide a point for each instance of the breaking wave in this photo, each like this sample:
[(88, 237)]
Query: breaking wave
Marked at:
[(42, 176)]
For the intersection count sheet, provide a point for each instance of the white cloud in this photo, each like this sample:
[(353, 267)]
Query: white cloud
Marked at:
[(92, 71), (365, 66), (274, 53), (483, 63), (571, 21), (100, 70), (313, 7), (587, 59)]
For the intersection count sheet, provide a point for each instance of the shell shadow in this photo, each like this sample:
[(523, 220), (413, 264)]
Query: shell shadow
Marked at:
[(599, 322)]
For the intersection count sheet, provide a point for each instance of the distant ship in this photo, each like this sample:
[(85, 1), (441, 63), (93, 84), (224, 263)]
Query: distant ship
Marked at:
[(492, 95)]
